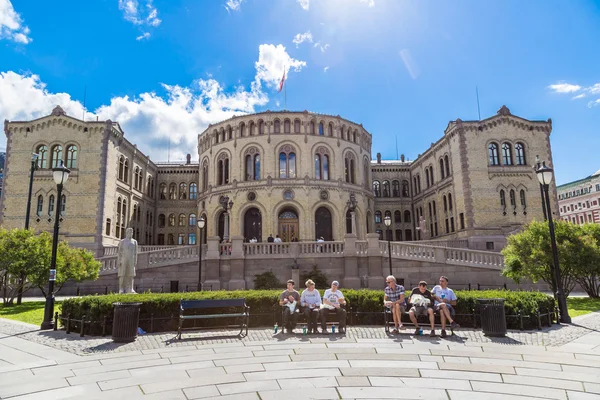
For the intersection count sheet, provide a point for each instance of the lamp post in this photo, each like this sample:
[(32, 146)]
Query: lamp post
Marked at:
[(545, 175), (351, 205), (201, 222), (388, 222), (538, 166), (34, 157), (227, 205), (60, 175)]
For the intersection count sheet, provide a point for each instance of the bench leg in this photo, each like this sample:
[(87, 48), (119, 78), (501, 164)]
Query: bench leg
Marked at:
[(179, 329)]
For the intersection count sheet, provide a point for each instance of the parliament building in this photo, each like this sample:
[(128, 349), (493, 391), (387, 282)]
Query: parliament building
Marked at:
[(299, 175)]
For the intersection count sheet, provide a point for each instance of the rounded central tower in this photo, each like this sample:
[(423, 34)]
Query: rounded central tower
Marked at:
[(298, 175)]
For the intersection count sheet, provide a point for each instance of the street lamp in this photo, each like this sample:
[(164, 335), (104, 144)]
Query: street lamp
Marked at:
[(537, 161), (388, 222), (201, 222), (227, 205), (545, 175), (60, 175), (34, 157)]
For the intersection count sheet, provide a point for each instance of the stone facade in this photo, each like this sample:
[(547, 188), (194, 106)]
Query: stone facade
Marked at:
[(291, 174), (579, 201)]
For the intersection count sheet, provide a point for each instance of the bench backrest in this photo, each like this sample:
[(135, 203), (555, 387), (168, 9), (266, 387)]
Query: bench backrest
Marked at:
[(195, 304)]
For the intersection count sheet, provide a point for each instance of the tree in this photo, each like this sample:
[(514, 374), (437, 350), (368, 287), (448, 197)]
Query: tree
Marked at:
[(21, 251), (528, 254), (589, 269)]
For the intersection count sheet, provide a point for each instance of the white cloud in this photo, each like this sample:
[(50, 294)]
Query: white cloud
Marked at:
[(233, 5), (564, 88), (326, 68), (305, 4), (323, 48), (371, 3), (594, 103), (594, 89), (271, 62), (145, 35), (302, 37), (143, 16), (151, 120), (11, 24), (579, 96)]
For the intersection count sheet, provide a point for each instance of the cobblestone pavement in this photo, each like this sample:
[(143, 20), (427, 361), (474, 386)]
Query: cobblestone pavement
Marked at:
[(555, 363)]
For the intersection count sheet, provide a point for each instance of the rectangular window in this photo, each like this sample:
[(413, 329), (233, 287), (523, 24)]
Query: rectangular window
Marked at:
[(461, 216), (489, 245), (452, 224), (192, 238), (181, 238)]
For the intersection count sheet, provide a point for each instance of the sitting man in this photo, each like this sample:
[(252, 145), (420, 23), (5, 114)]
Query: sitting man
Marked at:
[(311, 301), (444, 300), (290, 300), (394, 300), (333, 300), (421, 303)]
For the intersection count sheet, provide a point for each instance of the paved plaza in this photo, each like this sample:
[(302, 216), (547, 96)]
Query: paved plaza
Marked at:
[(555, 363)]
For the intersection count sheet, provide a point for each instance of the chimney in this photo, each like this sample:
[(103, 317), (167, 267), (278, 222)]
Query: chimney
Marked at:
[(378, 158), (188, 159)]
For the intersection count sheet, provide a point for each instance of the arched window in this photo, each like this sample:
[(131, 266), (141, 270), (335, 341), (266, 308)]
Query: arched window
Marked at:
[(135, 177), (493, 154), (321, 129), (312, 127), (223, 169), (330, 129), (192, 220), (322, 164), (182, 219), (162, 189), (354, 136), (57, 155), (442, 171), (287, 162), (396, 188), (126, 171), (431, 175), (506, 154), (51, 205), (297, 126), (377, 217), (349, 168), (118, 218), (229, 133), (427, 177), (182, 191), (252, 165), (107, 231), (450, 201), (72, 156), (121, 167), (445, 203), (513, 201), (523, 201), (286, 126), (261, 127), (447, 163), (123, 218), (171, 219), (386, 188), (406, 216), (172, 191), (405, 190), (42, 152), (503, 200), (277, 126), (40, 205), (161, 220), (397, 217), (376, 189), (520, 153), (193, 191), (242, 129), (205, 176), (366, 174)]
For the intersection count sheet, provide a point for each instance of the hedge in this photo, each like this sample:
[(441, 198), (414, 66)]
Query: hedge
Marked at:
[(366, 306)]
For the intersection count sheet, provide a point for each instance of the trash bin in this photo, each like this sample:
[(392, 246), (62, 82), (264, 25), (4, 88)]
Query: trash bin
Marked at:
[(493, 319), (125, 322), (174, 286)]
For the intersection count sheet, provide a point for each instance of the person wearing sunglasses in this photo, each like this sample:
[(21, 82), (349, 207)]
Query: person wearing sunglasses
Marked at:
[(394, 299)]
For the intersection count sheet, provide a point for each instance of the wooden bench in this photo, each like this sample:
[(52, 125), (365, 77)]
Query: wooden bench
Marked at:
[(238, 310), (423, 320), (331, 318)]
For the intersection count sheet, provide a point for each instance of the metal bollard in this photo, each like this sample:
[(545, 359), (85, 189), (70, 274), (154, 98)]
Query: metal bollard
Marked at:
[(82, 325), (56, 320)]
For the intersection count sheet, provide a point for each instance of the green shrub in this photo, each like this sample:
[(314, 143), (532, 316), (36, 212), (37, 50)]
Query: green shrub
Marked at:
[(318, 277), (266, 280), (365, 305)]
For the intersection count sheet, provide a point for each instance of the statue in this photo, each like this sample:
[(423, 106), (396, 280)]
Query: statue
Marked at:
[(126, 260)]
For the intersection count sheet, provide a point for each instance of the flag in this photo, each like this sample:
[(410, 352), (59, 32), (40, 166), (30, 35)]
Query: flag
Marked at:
[(282, 81)]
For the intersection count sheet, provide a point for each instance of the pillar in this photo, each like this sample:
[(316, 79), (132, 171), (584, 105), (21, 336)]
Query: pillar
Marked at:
[(351, 279), (376, 279), (211, 264), (237, 264)]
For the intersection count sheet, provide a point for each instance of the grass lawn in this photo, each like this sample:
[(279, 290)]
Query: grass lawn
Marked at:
[(582, 305), (31, 312)]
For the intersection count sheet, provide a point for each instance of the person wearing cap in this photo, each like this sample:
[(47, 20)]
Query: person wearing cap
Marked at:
[(333, 300), (289, 300), (311, 301)]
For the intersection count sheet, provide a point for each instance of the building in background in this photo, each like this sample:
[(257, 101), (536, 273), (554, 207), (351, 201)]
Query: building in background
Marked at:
[(299, 175), (579, 201)]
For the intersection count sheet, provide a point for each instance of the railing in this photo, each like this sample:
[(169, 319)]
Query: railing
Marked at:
[(411, 250), (266, 249), (474, 258), (112, 250), (361, 247), (225, 249), (179, 253), (312, 248), (108, 264), (455, 244)]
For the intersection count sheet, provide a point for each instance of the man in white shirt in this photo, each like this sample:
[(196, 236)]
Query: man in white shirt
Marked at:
[(277, 239), (311, 301), (445, 299), (333, 300)]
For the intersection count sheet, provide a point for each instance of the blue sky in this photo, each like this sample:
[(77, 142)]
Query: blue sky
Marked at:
[(166, 69)]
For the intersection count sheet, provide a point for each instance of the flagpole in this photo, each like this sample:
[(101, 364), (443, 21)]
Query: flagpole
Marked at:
[(284, 96)]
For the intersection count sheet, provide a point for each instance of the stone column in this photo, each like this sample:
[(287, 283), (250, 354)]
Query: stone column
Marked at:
[(237, 275), (226, 227), (351, 278), (376, 279), (211, 264)]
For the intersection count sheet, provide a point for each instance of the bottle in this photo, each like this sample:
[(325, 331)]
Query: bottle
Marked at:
[(275, 328), (420, 331), (304, 330), (332, 328)]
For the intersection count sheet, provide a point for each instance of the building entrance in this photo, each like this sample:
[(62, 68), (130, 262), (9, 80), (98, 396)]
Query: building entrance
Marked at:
[(288, 229)]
